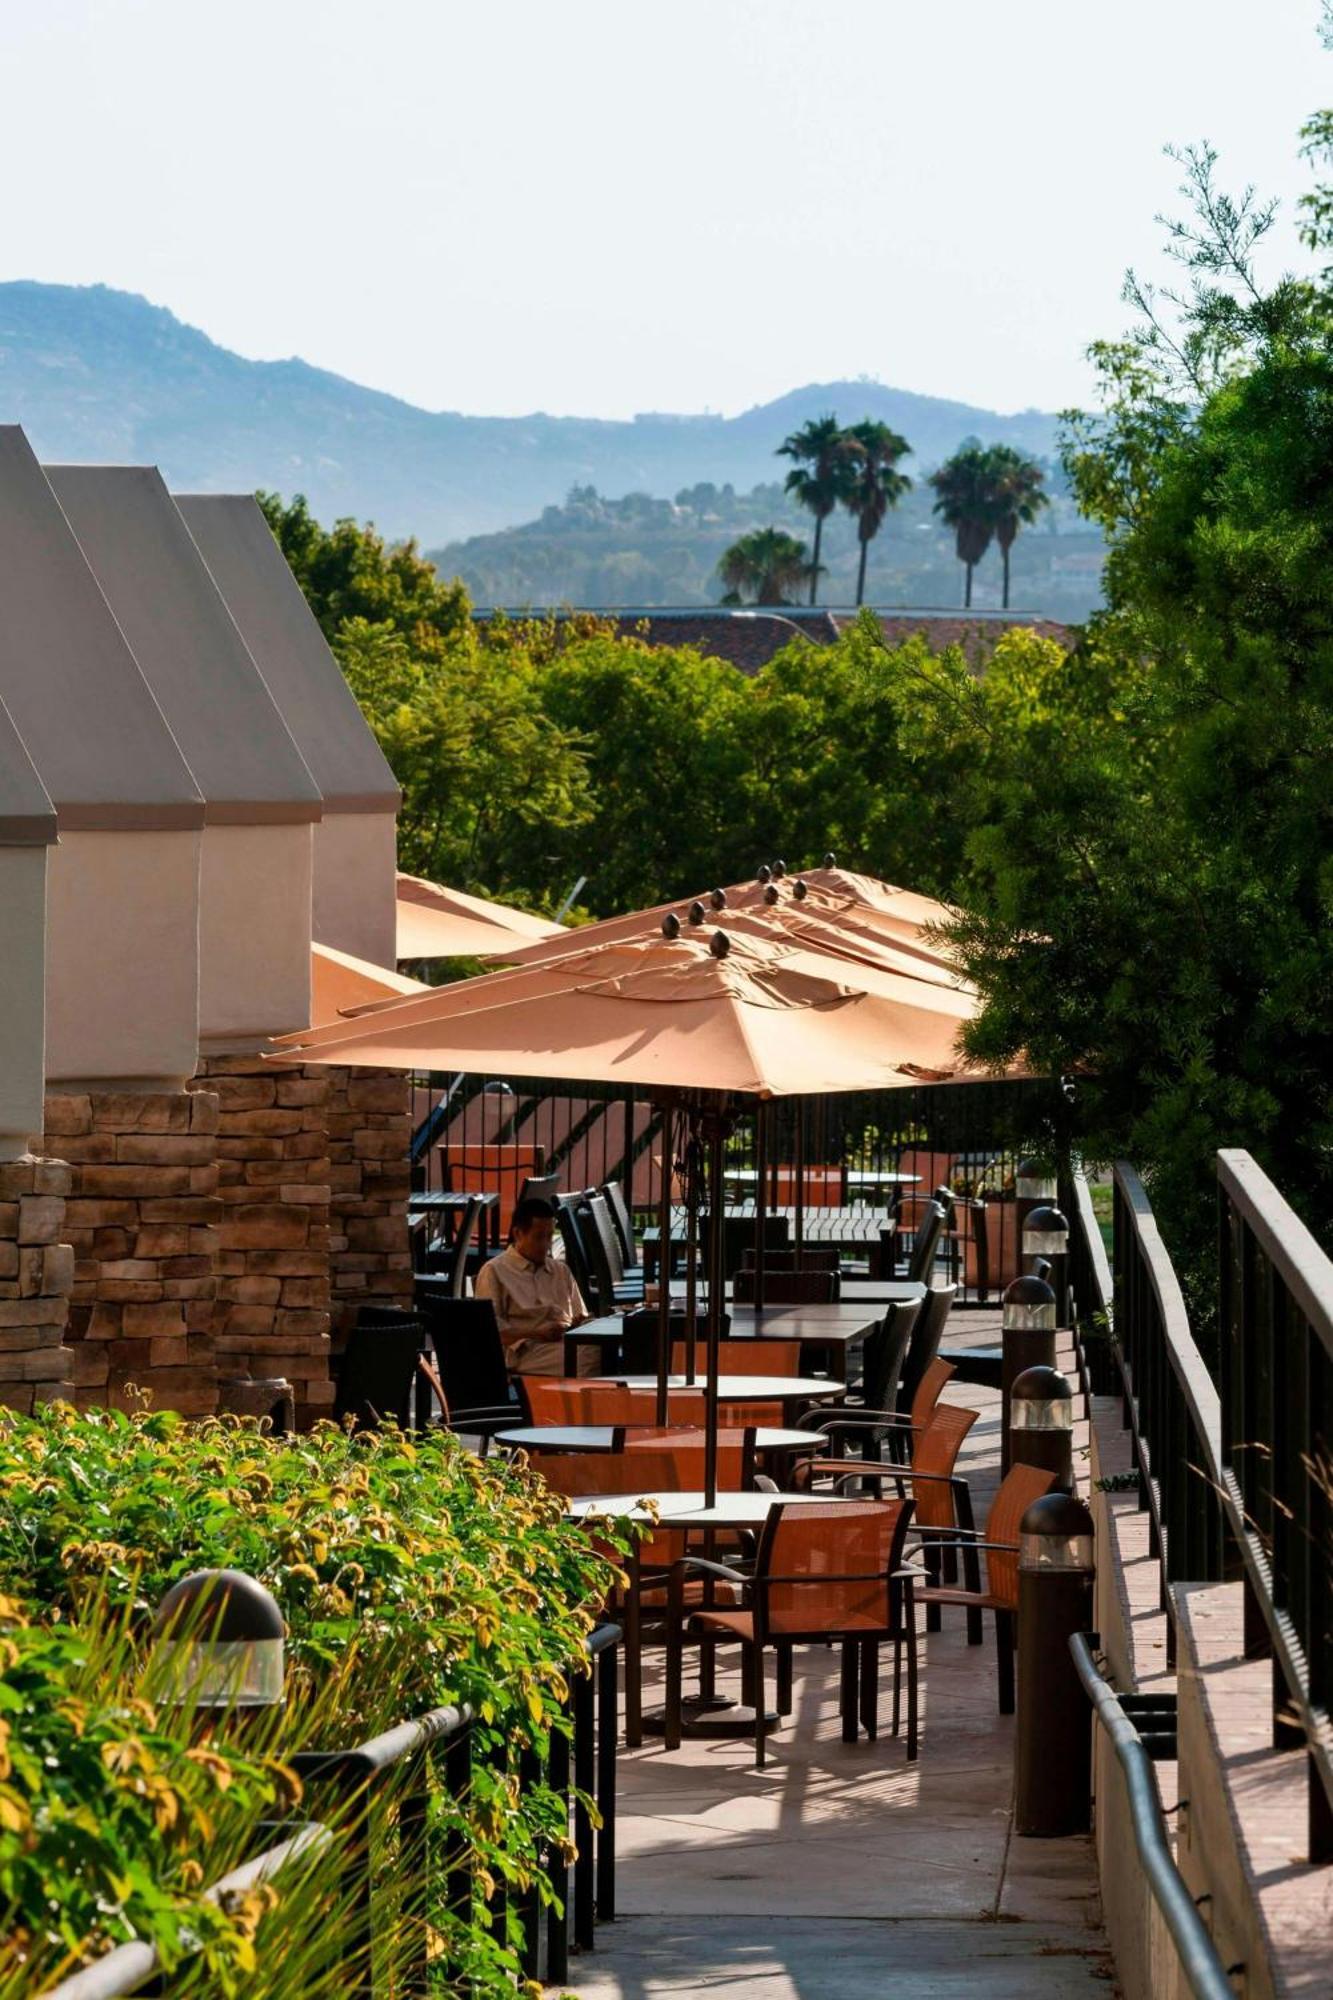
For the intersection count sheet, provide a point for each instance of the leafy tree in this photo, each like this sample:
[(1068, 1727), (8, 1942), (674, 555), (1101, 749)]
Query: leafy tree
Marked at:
[(965, 500), (766, 567), (820, 478), (1019, 497), (349, 571), (874, 484)]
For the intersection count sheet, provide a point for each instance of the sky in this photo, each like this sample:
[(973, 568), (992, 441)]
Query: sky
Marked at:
[(596, 209)]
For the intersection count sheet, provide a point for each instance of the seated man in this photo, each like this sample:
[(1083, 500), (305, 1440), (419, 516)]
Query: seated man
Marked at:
[(534, 1294)]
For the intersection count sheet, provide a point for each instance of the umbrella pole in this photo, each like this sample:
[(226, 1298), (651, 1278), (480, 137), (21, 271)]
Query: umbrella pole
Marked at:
[(800, 1180), (761, 1200), (664, 1264), (691, 1241), (716, 1131)]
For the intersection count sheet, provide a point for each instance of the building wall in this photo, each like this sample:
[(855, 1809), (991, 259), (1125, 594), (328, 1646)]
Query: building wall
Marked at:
[(122, 958), (356, 878), (22, 995), (254, 932)]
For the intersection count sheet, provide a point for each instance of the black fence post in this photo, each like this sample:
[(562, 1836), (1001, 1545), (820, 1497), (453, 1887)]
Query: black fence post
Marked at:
[(557, 1866), (608, 1730)]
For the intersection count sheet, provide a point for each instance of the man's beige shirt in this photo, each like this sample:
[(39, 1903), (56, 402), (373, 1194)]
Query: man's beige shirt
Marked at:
[(529, 1298)]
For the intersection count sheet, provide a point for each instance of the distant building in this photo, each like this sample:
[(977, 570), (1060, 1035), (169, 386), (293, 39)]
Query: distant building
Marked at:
[(750, 637)]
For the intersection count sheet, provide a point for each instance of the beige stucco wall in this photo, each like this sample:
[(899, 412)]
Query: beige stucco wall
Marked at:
[(22, 998), (254, 934), (122, 958), (356, 884)]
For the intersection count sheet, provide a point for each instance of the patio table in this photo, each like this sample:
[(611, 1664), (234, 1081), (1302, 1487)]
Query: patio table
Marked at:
[(838, 1329), (768, 1441)]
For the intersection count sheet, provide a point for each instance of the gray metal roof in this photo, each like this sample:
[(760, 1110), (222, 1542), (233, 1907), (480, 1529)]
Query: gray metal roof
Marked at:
[(84, 712), (290, 651), (185, 640), (27, 816)]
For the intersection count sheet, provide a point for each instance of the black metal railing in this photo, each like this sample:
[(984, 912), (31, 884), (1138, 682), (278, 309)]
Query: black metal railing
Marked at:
[(1236, 1480), (421, 1758), (1203, 1972)]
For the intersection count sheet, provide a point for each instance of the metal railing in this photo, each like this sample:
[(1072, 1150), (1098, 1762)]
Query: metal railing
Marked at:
[(435, 1751), (1236, 1481), (1202, 1969)]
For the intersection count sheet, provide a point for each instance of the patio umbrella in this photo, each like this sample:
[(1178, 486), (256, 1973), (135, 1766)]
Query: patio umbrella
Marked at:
[(722, 1018), (339, 981), (435, 922)]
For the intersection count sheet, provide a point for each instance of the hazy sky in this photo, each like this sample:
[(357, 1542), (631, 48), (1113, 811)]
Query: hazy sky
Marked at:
[(587, 207)]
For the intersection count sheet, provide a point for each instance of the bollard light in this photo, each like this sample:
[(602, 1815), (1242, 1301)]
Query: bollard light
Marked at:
[(671, 926), (1041, 1423), (718, 898), (1045, 1232), (1053, 1740), (696, 912), (1033, 1183), (219, 1642), (779, 870), (1028, 1305), (800, 889), (830, 859)]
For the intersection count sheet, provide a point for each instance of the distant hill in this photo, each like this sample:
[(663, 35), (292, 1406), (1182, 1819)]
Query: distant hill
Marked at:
[(95, 374)]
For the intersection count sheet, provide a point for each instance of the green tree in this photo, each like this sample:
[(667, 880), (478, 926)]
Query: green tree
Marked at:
[(965, 501), (819, 479), (349, 571), (874, 484), (766, 567), (1019, 496)]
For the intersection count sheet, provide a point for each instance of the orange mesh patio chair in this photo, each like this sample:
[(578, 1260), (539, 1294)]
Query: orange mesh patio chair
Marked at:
[(550, 1399), (822, 1573), (612, 1403), (742, 1355), (1021, 1485)]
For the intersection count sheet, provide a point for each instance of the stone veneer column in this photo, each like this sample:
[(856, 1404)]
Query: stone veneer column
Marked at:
[(36, 1274), (141, 1219), (273, 1260), (370, 1129)]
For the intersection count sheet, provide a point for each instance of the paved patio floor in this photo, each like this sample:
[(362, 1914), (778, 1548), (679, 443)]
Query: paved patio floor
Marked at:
[(841, 1871)]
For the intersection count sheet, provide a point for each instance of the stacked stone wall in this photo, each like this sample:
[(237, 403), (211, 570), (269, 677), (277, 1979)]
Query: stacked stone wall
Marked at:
[(273, 1255), (141, 1221), (36, 1276), (370, 1129)]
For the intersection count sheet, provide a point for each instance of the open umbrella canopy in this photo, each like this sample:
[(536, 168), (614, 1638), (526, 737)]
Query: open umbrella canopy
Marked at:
[(435, 922), (338, 981), (726, 1014)]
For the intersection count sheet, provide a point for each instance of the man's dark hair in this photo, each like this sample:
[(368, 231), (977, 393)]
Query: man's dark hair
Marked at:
[(533, 1208)]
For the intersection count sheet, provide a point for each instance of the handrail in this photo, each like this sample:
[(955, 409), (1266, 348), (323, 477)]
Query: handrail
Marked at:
[(1204, 1973), (125, 1968), (1188, 1365), (1306, 1271), (1092, 1240)]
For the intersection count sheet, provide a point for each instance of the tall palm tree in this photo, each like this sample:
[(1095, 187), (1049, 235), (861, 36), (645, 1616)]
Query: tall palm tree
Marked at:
[(966, 501), (766, 567), (874, 484), (1019, 497), (818, 480)]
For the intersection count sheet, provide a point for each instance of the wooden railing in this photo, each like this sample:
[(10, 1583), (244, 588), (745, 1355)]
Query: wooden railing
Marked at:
[(1235, 1473)]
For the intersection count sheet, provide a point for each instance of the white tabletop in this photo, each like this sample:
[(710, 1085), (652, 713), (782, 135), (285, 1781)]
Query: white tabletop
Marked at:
[(745, 1388), (602, 1437)]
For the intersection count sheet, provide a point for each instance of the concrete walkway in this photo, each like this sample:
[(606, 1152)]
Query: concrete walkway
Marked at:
[(840, 1871)]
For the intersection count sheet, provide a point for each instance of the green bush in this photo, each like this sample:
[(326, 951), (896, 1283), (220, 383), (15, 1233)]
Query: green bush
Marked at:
[(410, 1574)]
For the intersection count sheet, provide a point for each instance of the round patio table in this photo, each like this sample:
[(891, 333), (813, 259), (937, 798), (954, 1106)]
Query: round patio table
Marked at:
[(687, 1510), (747, 1388), (601, 1437)]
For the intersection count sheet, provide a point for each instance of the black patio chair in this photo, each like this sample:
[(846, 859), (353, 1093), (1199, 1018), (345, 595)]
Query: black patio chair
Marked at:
[(924, 1345), (540, 1187), (639, 1337), (623, 1222), (930, 1227), (380, 1372), (603, 1245), (470, 1363), (788, 1288), (570, 1226)]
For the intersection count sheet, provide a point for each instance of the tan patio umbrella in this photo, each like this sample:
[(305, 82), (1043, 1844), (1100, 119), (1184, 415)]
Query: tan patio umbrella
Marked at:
[(435, 922), (338, 981)]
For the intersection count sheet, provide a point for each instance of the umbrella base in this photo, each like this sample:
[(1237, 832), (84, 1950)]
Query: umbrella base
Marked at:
[(718, 1720)]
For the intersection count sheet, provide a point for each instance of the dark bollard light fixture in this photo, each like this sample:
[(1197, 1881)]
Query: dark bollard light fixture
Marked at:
[(1053, 1741), (800, 889), (671, 926), (696, 913), (1041, 1423), (772, 894), (1027, 1340), (1046, 1234), (830, 859), (718, 898), (218, 1642), (765, 873), (779, 870), (1032, 1182)]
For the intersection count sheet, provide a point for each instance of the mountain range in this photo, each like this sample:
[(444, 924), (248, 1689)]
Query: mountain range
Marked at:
[(100, 375)]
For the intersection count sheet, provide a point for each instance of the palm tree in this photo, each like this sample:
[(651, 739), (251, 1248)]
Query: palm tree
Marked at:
[(874, 485), (966, 500), (818, 480), (765, 567), (1019, 497)]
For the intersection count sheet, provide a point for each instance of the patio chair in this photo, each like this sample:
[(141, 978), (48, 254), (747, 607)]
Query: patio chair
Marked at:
[(576, 1254), (623, 1223), (470, 1359), (639, 1334), (549, 1399), (540, 1187), (451, 1281), (930, 1228), (835, 1572), (379, 1373), (924, 1345), (613, 1403), (789, 1288), (942, 1496), (814, 1257), (604, 1255), (1021, 1485)]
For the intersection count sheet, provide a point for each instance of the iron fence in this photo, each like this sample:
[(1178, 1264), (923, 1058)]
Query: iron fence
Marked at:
[(423, 1760), (1237, 1479)]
